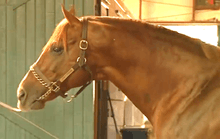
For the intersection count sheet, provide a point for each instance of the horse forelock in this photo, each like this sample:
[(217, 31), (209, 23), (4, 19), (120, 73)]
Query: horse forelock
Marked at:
[(59, 35)]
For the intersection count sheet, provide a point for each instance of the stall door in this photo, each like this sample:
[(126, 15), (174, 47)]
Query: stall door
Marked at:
[(25, 27)]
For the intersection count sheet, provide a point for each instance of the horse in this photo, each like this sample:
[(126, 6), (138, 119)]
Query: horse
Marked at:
[(173, 79)]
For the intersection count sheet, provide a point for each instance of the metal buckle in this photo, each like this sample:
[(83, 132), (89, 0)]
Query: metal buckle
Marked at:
[(54, 87), (81, 61), (68, 100), (79, 58), (83, 44)]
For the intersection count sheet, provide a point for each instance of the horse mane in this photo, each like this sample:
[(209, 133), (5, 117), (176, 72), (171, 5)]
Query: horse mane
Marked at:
[(187, 43)]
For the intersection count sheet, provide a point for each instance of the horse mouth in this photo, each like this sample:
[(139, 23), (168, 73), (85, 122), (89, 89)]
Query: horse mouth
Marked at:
[(37, 105), (34, 105)]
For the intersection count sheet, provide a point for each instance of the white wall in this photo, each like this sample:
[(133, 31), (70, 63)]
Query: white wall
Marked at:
[(169, 10), (165, 10), (208, 34)]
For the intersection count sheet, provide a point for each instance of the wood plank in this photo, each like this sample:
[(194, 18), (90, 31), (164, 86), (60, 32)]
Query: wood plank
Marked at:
[(11, 58), (30, 34), (17, 132), (27, 135), (50, 6), (29, 126), (3, 53), (10, 130), (50, 18), (88, 114), (59, 15), (2, 127), (69, 115), (22, 133), (79, 7), (78, 117), (54, 124), (69, 3), (2, 17), (33, 137), (40, 26), (2, 2), (21, 42), (89, 7), (12, 1), (58, 123), (18, 3)]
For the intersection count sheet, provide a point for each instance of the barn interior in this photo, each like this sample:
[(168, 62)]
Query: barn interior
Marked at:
[(26, 26)]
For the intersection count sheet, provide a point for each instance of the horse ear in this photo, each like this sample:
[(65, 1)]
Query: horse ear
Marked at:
[(69, 17), (72, 10)]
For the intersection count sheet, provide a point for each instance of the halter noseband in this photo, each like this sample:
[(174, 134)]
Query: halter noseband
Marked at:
[(80, 64)]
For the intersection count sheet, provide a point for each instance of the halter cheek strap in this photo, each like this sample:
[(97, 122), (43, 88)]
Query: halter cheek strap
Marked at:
[(80, 64)]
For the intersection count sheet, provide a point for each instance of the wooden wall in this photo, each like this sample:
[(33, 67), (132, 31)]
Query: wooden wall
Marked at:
[(25, 27)]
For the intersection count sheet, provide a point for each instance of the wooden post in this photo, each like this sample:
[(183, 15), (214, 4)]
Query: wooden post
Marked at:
[(193, 10), (101, 111), (140, 10), (218, 35)]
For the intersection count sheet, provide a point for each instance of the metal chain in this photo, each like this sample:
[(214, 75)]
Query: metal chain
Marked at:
[(43, 83), (38, 78), (45, 95)]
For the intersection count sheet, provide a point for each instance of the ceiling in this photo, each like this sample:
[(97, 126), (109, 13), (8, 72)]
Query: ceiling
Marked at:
[(133, 6)]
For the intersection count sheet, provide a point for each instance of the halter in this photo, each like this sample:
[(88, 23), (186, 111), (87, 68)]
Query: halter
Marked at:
[(80, 64)]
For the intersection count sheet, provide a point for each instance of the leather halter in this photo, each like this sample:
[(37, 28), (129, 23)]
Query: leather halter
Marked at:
[(80, 64)]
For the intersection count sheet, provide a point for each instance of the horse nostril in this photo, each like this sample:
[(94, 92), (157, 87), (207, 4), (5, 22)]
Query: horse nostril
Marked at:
[(21, 95)]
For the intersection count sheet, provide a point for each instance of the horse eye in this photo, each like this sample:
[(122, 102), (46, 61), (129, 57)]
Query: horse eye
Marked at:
[(58, 49)]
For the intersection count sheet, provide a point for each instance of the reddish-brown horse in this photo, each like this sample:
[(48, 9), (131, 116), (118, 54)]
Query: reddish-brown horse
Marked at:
[(173, 79)]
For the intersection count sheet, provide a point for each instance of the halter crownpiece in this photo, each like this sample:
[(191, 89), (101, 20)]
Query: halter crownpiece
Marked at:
[(80, 64)]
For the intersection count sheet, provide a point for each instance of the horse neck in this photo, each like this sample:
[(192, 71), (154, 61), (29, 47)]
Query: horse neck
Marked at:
[(147, 70)]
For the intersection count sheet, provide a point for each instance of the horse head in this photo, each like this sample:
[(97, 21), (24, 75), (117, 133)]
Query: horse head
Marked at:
[(52, 74)]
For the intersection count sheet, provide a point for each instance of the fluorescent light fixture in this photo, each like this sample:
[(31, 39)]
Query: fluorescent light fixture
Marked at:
[(128, 16), (104, 5), (119, 5), (125, 98)]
